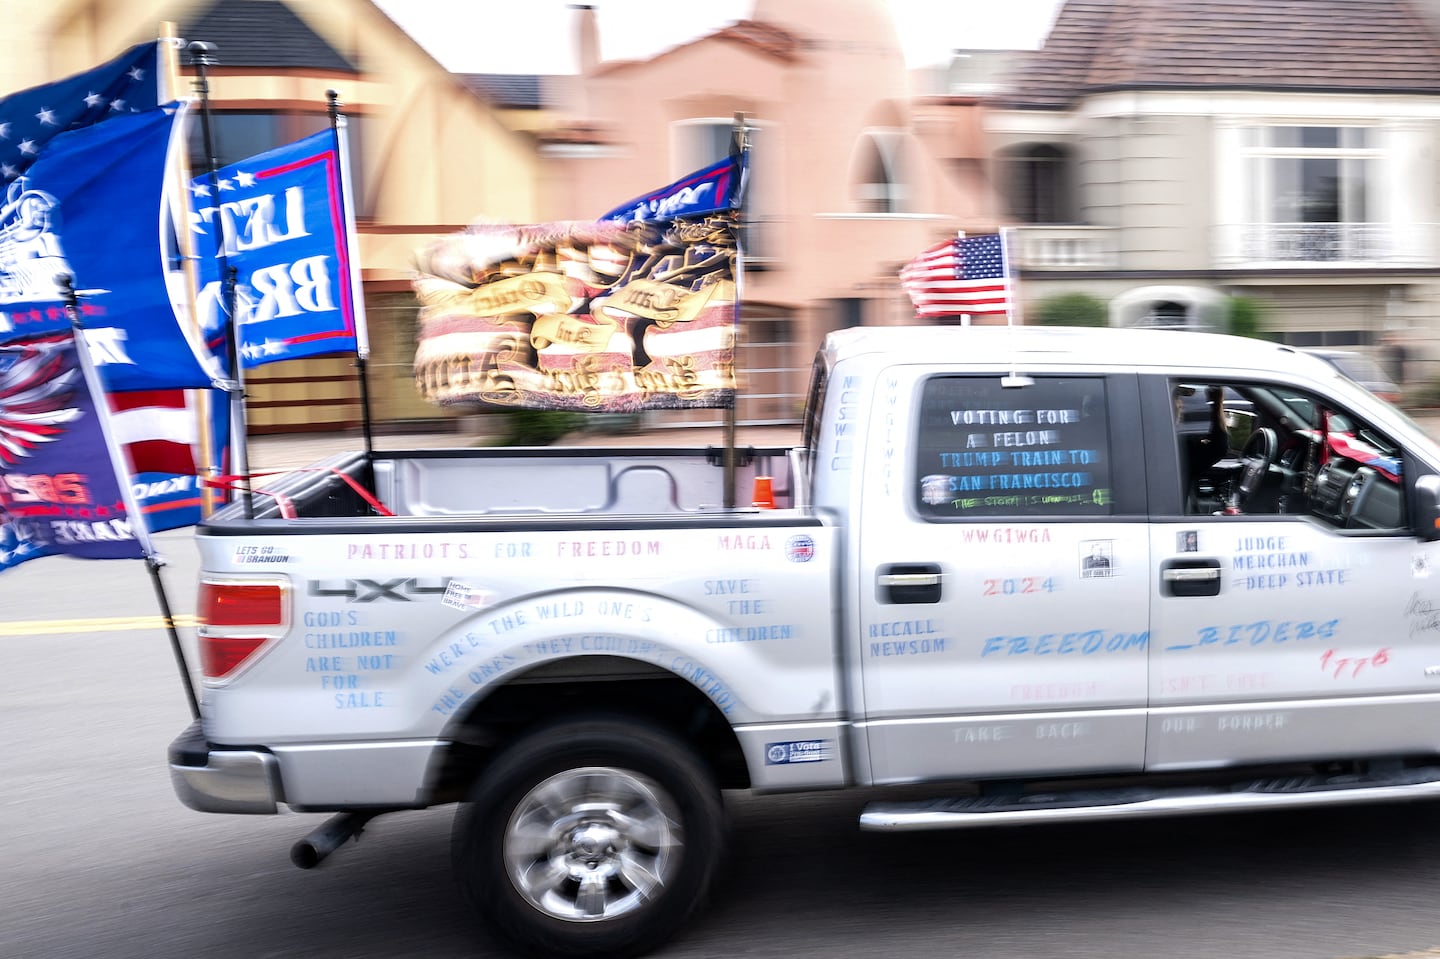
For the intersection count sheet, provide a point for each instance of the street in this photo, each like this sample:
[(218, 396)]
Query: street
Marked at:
[(100, 859)]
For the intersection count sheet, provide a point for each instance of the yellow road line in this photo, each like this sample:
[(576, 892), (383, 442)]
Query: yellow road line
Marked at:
[(41, 627)]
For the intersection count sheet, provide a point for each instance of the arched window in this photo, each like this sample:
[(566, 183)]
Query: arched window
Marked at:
[(1168, 313), (879, 178)]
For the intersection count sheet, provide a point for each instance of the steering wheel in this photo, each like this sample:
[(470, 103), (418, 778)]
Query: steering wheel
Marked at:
[(1256, 460)]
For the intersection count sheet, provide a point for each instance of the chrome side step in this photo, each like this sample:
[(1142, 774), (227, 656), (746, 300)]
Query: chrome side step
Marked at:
[(1141, 802)]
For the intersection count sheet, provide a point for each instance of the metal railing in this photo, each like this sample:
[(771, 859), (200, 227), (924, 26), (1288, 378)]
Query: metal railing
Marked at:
[(1317, 242), (1240, 245)]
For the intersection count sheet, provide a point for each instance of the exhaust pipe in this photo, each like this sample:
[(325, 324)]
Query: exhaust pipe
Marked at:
[(328, 837)]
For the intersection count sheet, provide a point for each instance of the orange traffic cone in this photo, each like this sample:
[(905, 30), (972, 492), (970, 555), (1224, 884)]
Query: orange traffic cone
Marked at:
[(764, 495)]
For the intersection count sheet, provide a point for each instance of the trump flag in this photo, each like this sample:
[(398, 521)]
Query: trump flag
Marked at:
[(170, 439), (93, 209)]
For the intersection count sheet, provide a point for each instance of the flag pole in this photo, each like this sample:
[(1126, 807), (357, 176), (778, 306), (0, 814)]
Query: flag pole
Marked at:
[(210, 461), (739, 146), (1012, 291), (339, 124), (1016, 378), (202, 55), (153, 560)]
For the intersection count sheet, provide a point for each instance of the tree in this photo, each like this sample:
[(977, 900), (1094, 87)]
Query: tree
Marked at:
[(1071, 309), (1242, 317)]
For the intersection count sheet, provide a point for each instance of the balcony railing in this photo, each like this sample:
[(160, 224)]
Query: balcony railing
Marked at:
[(1317, 242), (1322, 245), (1241, 246), (1065, 248)]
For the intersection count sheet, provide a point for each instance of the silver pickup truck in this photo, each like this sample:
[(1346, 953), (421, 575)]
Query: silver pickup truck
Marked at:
[(1056, 574)]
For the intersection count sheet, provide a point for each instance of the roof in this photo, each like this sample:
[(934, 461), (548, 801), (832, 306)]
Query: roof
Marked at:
[(262, 33), (1351, 46), (766, 39), (1033, 347), (515, 91)]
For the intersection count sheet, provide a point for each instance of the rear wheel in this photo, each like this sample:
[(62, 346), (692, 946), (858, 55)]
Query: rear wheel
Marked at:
[(590, 838)]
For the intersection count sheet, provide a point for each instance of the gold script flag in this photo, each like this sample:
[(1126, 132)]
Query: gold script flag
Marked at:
[(582, 316), (636, 311)]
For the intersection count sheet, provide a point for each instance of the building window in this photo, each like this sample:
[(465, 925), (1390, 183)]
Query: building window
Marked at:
[(695, 144), (699, 143), (773, 387), (1035, 184), (880, 181), (394, 324), (1310, 193)]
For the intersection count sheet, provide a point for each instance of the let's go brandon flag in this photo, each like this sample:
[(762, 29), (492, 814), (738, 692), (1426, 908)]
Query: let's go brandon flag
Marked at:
[(966, 275), (278, 220)]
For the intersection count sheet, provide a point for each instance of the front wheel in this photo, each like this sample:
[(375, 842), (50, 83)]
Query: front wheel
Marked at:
[(590, 838)]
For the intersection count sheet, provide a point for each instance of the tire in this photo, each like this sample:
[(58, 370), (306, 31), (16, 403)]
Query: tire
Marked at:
[(596, 838)]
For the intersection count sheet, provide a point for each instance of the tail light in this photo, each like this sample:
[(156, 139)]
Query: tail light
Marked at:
[(237, 618)]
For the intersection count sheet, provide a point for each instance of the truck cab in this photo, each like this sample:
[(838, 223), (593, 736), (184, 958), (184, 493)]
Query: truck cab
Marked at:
[(1062, 567)]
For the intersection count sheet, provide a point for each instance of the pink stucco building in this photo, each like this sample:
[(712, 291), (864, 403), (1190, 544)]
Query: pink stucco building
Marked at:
[(851, 173)]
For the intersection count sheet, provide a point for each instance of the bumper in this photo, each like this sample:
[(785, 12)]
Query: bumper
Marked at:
[(214, 779)]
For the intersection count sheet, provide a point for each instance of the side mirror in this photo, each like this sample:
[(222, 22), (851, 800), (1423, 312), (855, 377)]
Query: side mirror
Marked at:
[(1427, 508)]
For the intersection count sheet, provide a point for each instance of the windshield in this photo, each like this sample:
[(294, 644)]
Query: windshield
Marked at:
[(1359, 368)]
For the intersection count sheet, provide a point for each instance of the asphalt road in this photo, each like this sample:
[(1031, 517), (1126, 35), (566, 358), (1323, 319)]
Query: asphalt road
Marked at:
[(98, 858)]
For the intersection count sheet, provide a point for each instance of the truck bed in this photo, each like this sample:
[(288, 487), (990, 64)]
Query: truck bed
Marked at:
[(509, 482)]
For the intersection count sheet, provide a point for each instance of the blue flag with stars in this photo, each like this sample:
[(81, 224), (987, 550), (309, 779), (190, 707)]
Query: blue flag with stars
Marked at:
[(32, 118)]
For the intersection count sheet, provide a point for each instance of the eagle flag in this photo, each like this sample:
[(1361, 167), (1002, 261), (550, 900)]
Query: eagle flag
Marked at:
[(59, 490)]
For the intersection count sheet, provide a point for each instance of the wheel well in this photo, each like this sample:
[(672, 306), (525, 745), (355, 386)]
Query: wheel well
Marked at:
[(595, 684)]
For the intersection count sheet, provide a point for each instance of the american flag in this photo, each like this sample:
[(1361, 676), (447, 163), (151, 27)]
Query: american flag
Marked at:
[(960, 276), (158, 429), (159, 432)]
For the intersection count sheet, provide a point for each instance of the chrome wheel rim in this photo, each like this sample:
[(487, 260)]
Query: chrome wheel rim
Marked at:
[(592, 844)]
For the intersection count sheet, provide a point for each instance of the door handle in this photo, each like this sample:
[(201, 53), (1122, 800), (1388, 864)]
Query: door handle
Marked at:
[(908, 583), (1190, 577), (910, 579)]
